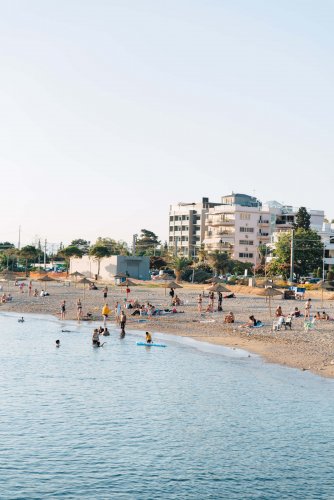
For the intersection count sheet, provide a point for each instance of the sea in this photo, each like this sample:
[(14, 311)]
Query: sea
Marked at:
[(188, 421)]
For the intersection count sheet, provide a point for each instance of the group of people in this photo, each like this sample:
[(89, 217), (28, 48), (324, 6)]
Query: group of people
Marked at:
[(6, 298), (210, 305)]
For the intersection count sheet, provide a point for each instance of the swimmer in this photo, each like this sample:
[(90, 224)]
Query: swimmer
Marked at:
[(66, 331), (21, 320), (57, 343), (148, 338)]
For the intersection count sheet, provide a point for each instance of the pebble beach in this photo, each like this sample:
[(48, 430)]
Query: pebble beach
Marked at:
[(311, 350)]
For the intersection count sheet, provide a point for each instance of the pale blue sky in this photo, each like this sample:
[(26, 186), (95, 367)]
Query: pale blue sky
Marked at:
[(111, 110)]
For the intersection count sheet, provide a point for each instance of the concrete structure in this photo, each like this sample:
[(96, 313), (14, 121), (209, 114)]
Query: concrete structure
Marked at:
[(327, 237), (187, 227), (285, 216), (238, 226), (134, 267)]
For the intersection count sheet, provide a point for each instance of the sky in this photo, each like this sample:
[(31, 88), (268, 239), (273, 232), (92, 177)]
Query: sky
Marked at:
[(111, 110)]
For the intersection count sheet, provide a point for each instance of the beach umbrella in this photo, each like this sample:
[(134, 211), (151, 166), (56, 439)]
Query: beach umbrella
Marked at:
[(46, 279), (269, 292), (324, 285), (218, 287), (171, 284), (76, 274), (127, 283), (85, 281)]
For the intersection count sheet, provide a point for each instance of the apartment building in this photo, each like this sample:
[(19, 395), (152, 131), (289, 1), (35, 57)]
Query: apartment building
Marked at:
[(238, 226), (187, 225)]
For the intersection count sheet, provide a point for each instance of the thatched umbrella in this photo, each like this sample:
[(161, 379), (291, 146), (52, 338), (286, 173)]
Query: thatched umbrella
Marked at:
[(46, 279), (127, 283), (269, 292), (324, 285), (85, 281), (171, 284), (267, 283), (76, 274), (8, 276), (218, 287)]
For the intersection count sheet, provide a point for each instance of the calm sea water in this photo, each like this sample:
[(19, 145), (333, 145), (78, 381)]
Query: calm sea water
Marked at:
[(132, 422)]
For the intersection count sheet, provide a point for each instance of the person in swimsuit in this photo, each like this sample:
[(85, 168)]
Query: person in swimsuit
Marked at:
[(148, 338), (79, 309), (57, 343), (96, 337), (123, 323), (63, 310)]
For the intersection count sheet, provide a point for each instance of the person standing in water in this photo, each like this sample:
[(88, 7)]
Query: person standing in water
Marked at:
[(63, 310), (105, 313), (79, 309), (123, 323)]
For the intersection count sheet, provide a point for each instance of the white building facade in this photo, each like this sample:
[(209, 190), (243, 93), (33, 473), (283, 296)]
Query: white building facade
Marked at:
[(187, 226)]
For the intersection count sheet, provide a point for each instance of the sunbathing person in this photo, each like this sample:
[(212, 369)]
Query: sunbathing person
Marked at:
[(229, 318), (325, 316), (318, 315), (251, 322), (296, 313)]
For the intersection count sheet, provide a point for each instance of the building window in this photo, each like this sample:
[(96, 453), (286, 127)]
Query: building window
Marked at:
[(244, 255), (244, 216), (246, 242), (246, 229)]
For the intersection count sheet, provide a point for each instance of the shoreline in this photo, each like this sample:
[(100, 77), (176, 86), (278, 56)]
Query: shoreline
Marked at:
[(307, 351)]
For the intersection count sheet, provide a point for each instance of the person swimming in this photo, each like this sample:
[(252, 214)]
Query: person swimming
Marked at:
[(57, 343), (148, 338), (66, 331), (21, 320)]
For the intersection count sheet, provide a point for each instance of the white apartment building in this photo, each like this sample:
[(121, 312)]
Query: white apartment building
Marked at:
[(238, 226), (187, 227)]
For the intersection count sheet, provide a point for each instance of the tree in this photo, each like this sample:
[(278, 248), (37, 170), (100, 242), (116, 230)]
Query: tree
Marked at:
[(157, 262), (28, 252), (303, 219), (220, 261), (82, 244), (179, 264), (68, 252), (308, 251), (99, 251), (147, 242), (115, 247)]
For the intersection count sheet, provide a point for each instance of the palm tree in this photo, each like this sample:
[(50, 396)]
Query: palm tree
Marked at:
[(99, 251), (220, 262), (179, 264)]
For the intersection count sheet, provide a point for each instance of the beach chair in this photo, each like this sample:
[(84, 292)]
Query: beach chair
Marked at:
[(288, 322), (277, 324)]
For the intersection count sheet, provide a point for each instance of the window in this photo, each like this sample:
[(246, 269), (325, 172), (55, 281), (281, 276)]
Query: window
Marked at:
[(185, 228), (245, 216), (246, 242), (246, 255), (246, 229)]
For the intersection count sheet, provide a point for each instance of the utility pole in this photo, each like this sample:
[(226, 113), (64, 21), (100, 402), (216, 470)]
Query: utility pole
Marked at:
[(134, 241), (45, 255), (323, 263), (292, 255), (19, 243)]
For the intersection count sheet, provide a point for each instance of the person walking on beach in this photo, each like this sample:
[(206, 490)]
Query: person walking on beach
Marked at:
[(79, 309), (123, 323), (171, 293), (63, 310), (220, 301), (212, 299), (105, 292), (199, 302), (30, 288), (308, 306), (105, 313)]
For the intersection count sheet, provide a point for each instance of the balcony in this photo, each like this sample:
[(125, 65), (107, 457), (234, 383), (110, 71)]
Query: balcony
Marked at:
[(220, 222), (263, 222), (329, 260)]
